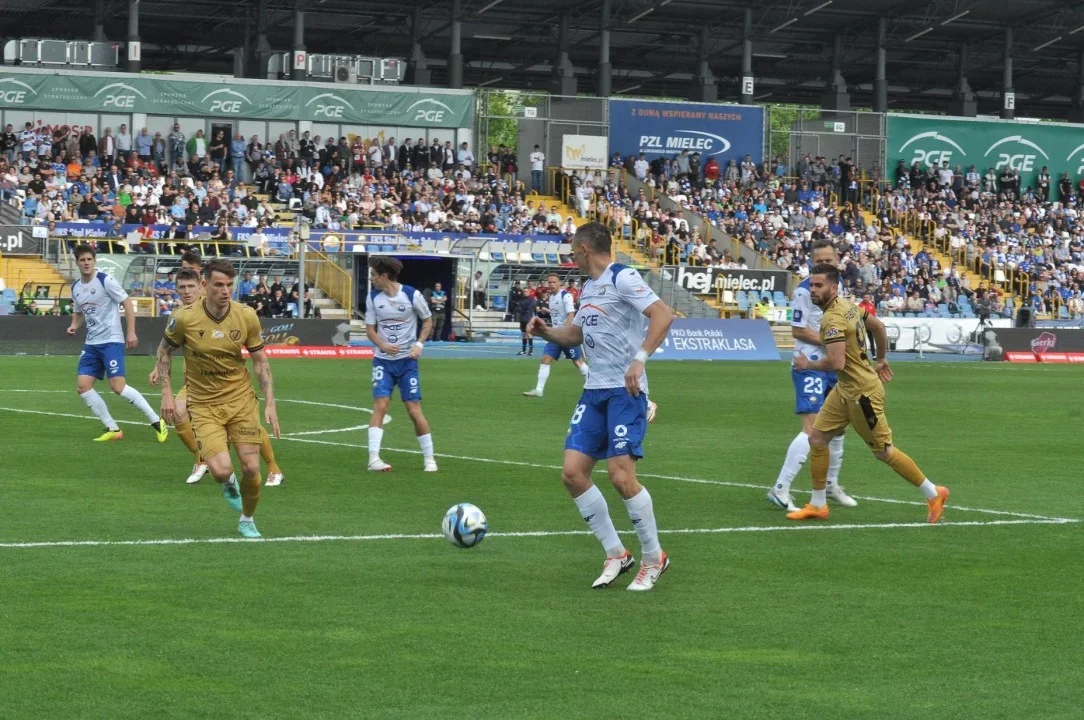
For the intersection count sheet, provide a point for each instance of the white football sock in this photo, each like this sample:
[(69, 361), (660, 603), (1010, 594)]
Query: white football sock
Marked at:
[(929, 490), (543, 375), (132, 395), (596, 513), (245, 518), (426, 442), (232, 480), (642, 514), (375, 436), (796, 455), (584, 369), (835, 460), (97, 406), (820, 498)]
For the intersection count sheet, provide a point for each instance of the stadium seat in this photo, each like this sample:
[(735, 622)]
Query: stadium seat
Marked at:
[(483, 254), (743, 304), (942, 310), (728, 298), (444, 247), (429, 246), (779, 299), (496, 251), (999, 276), (523, 250), (1063, 313)]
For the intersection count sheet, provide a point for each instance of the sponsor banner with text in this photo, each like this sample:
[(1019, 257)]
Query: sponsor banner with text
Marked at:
[(951, 335), (708, 281), (664, 129), (1038, 344), (717, 339), (584, 152), (1023, 146), (122, 93), (21, 240)]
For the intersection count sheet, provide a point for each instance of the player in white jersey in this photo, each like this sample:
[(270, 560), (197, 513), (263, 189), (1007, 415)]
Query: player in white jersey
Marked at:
[(97, 299), (610, 420), (391, 322), (562, 312), (811, 388)]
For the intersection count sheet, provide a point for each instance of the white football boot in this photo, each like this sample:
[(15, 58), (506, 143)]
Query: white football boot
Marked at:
[(651, 409), (198, 471), (430, 465), (836, 493), (783, 502), (379, 465), (274, 479), (649, 575), (614, 568)]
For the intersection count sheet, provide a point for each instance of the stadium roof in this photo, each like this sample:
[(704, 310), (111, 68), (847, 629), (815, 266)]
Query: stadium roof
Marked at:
[(512, 43)]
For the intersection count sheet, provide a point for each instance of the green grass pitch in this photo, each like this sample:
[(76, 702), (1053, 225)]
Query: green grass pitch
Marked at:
[(868, 615)]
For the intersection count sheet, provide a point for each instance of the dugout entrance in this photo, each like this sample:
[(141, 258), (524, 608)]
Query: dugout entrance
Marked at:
[(422, 272)]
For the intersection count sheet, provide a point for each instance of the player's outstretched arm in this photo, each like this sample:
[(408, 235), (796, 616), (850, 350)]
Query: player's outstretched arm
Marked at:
[(876, 328), (261, 367), (164, 368), (77, 321), (567, 336), (129, 319)]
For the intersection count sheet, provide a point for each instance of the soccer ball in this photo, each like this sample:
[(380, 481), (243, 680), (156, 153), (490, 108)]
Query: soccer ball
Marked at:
[(464, 525)]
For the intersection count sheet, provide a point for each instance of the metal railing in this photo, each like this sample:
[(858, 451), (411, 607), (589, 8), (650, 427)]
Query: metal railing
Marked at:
[(324, 273)]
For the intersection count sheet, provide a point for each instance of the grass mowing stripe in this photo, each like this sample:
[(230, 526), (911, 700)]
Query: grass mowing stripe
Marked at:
[(541, 466), (523, 534)]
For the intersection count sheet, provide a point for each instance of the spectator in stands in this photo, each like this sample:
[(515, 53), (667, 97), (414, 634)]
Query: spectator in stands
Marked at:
[(124, 145), (277, 305), (538, 163), (8, 143)]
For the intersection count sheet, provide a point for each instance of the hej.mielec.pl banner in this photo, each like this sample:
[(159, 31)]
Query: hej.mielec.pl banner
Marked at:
[(1023, 146), (157, 95)]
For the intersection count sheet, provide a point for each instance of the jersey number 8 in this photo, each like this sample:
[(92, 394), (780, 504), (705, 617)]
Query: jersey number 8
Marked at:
[(578, 415)]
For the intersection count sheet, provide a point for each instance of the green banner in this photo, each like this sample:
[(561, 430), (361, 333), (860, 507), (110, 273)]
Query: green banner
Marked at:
[(1024, 146), (159, 96)]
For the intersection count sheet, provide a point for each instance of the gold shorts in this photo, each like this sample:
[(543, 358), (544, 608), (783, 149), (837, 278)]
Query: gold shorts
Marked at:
[(865, 413), (219, 425)]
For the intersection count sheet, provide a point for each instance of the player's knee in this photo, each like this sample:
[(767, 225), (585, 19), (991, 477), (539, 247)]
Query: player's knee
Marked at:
[(884, 455), (250, 466), (575, 481)]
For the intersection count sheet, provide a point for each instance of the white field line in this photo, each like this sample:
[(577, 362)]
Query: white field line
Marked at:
[(540, 466), (527, 534)]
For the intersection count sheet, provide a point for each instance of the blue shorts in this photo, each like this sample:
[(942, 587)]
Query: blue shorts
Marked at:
[(99, 361), (810, 389), (555, 351), (608, 423), (389, 374)]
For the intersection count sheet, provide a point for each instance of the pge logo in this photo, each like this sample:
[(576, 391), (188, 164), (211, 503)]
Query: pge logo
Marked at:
[(118, 95), (1022, 161), (932, 154), (16, 93), (226, 101), (427, 113), (1077, 156), (328, 109)]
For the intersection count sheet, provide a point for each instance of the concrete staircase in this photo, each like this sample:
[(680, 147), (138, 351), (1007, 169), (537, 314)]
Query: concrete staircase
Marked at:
[(21, 271), (329, 309)]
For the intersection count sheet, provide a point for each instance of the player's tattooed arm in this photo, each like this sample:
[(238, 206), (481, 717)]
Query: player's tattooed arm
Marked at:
[(163, 368), (262, 369)]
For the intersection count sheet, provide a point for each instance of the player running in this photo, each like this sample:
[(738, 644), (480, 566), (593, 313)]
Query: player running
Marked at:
[(192, 262), (562, 307), (97, 298), (610, 420), (810, 389), (223, 406), (391, 322), (859, 397)]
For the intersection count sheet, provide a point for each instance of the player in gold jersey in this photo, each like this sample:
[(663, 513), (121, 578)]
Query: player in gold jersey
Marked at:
[(859, 397), (223, 406), (191, 261)]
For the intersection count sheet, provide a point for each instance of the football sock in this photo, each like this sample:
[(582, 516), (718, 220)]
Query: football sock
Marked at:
[(818, 466), (929, 490), (530, 344), (835, 459), (267, 452), (596, 513), (246, 518), (820, 498), (250, 493), (426, 443), (796, 455), (543, 375), (97, 406), (905, 467), (584, 369), (184, 432), (523, 343), (375, 436), (642, 513), (132, 395)]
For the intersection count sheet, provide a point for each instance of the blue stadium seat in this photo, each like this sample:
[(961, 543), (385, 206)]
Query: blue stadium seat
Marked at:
[(743, 304), (942, 310), (1063, 313), (780, 299)]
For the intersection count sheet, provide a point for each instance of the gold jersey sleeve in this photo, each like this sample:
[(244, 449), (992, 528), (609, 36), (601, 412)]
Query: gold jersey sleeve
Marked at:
[(214, 366), (845, 323)]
